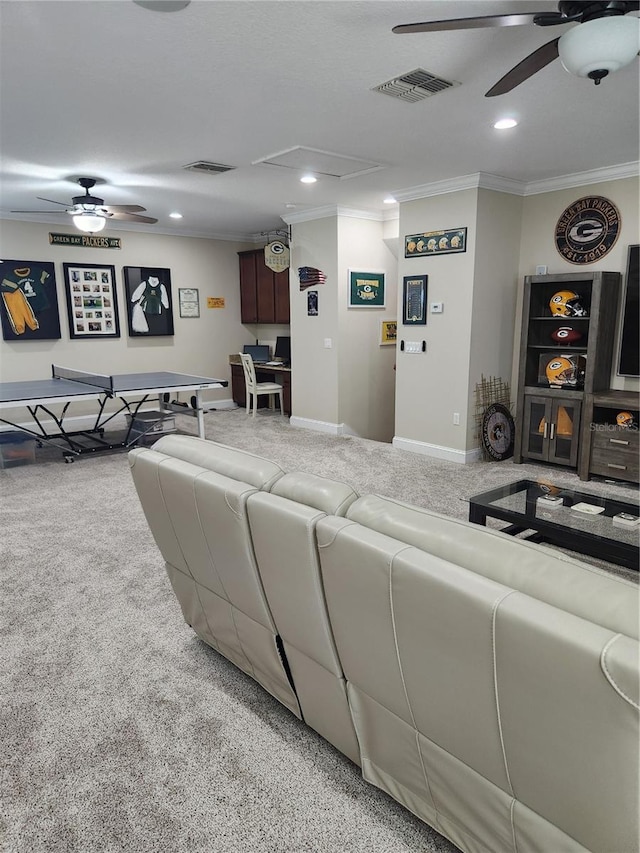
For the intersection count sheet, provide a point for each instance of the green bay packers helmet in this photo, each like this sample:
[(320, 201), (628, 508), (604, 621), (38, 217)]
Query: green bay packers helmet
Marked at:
[(624, 419), (566, 303), (563, 371)]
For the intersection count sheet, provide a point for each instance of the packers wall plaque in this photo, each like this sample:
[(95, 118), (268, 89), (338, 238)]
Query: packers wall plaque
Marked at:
[(587, 230)]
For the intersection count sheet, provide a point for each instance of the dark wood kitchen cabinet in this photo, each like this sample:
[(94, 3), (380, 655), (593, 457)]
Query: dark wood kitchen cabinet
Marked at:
[(264, 294)]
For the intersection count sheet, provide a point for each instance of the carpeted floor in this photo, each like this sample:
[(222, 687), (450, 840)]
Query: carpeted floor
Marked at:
[(123, 732)]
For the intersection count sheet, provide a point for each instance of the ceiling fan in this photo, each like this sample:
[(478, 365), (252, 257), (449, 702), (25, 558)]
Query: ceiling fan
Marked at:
[(90, 213), (603, 42)]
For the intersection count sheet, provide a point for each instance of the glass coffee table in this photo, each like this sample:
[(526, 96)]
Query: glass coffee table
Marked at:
[(530, 505)]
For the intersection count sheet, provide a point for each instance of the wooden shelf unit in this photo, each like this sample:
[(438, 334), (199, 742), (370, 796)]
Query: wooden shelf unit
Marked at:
[(554, 423)]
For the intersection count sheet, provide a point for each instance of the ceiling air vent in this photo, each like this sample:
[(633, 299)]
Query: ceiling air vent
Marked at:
[(206, 166), (414, 86)]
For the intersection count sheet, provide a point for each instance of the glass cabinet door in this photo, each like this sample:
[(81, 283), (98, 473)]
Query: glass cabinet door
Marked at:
[(564, 432), (537, 427)]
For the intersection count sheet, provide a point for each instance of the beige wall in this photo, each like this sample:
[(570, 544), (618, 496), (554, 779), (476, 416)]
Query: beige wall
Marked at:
[(349, 387), (314, 375), (540, 214), (199, 346), (367, 377), (495, 286), (431, 386)]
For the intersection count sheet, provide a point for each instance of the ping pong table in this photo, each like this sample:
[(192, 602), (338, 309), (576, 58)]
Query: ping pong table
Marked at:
[(67, 386)]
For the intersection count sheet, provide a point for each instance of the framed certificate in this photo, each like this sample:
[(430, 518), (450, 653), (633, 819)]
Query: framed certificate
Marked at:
[(414, 300), (189, 301)]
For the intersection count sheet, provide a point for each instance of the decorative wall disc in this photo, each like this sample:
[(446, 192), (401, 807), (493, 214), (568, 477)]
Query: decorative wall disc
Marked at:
[(498, 431), (587, 230)]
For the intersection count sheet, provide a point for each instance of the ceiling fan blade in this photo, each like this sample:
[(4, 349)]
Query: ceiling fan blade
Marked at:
[(525, 69), (47, 212), (467, 23), (51, 200), (131, 217), (125, 208)]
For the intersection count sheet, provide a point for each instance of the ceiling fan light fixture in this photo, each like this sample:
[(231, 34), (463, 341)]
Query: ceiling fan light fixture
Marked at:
[(89, 222), (600, 46)]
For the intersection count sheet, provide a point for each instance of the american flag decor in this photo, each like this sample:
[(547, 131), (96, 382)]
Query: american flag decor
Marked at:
[(310, 276)]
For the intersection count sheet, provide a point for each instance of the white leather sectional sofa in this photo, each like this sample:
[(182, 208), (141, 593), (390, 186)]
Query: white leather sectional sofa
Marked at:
[(488, 684)]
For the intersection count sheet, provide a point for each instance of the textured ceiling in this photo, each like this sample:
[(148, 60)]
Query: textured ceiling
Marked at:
[(108, 89)]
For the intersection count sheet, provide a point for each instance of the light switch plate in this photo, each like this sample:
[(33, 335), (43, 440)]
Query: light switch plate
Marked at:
[(437, 307)]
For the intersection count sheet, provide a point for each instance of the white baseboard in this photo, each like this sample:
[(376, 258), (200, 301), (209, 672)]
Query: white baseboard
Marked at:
[(462, 457), (218, 404), (320, 426)]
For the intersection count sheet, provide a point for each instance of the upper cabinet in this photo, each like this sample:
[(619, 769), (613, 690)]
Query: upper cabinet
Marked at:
[(264, 294)]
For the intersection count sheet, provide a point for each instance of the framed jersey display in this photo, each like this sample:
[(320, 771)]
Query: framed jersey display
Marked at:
[(92, 301), (29, 307), (149, 301)]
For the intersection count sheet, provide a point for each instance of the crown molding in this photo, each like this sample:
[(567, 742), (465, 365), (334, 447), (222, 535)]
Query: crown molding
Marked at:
[(580, 179), (332, 210), (140, 229), (479, 180)]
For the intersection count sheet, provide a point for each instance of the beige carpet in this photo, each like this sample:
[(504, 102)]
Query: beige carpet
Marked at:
[(123, 732)]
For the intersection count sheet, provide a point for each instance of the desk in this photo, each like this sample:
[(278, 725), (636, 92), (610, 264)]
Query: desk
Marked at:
[(263, 374)]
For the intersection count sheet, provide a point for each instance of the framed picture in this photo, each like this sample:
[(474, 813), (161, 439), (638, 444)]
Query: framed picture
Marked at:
[(29, 307), (414, 300), (366, 289), (92, 301), (149, 301), (312, 303), (435, 243), (388, 332), (189, 301)]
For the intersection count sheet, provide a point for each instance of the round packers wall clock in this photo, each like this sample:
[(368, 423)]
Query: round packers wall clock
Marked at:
[(587, 229)]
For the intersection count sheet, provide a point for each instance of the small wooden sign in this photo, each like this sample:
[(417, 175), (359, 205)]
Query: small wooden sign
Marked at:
[(215, 301), (276, 256), (89, 241)]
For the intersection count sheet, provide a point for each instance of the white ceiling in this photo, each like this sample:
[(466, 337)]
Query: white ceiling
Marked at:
[(108, 89)]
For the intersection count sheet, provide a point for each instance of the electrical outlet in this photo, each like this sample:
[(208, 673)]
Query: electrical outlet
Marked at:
[(456, 418), (328, 343)]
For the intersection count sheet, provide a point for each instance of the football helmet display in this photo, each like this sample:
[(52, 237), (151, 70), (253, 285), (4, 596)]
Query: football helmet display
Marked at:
[(624, 419), (566, 303), (565, 335), (565, 371)]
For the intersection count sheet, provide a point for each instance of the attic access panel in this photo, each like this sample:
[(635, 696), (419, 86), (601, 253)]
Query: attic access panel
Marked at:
[(320, 162)]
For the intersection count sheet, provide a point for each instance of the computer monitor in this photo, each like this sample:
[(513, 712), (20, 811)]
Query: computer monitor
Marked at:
[(283, 349), (259, 352)]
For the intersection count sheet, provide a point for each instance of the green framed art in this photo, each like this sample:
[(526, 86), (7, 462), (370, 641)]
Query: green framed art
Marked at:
[(366, 289)]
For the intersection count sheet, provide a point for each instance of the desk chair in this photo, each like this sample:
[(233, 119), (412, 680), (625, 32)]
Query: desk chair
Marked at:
[(254, 388)]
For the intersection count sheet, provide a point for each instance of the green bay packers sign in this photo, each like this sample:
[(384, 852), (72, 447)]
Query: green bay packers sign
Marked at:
[(587, 230), (276, 256), (91, 241)]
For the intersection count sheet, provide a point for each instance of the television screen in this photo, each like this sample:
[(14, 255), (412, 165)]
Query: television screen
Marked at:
[(259, 352), (283, 349), (629, 359)]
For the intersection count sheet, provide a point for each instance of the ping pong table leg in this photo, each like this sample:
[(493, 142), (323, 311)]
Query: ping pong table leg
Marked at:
[(200, 414)]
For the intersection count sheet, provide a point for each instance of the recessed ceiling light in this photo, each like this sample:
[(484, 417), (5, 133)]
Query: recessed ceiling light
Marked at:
[(290, 205), (505, 123), (390, 200), (175, 215), (308, 179)]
